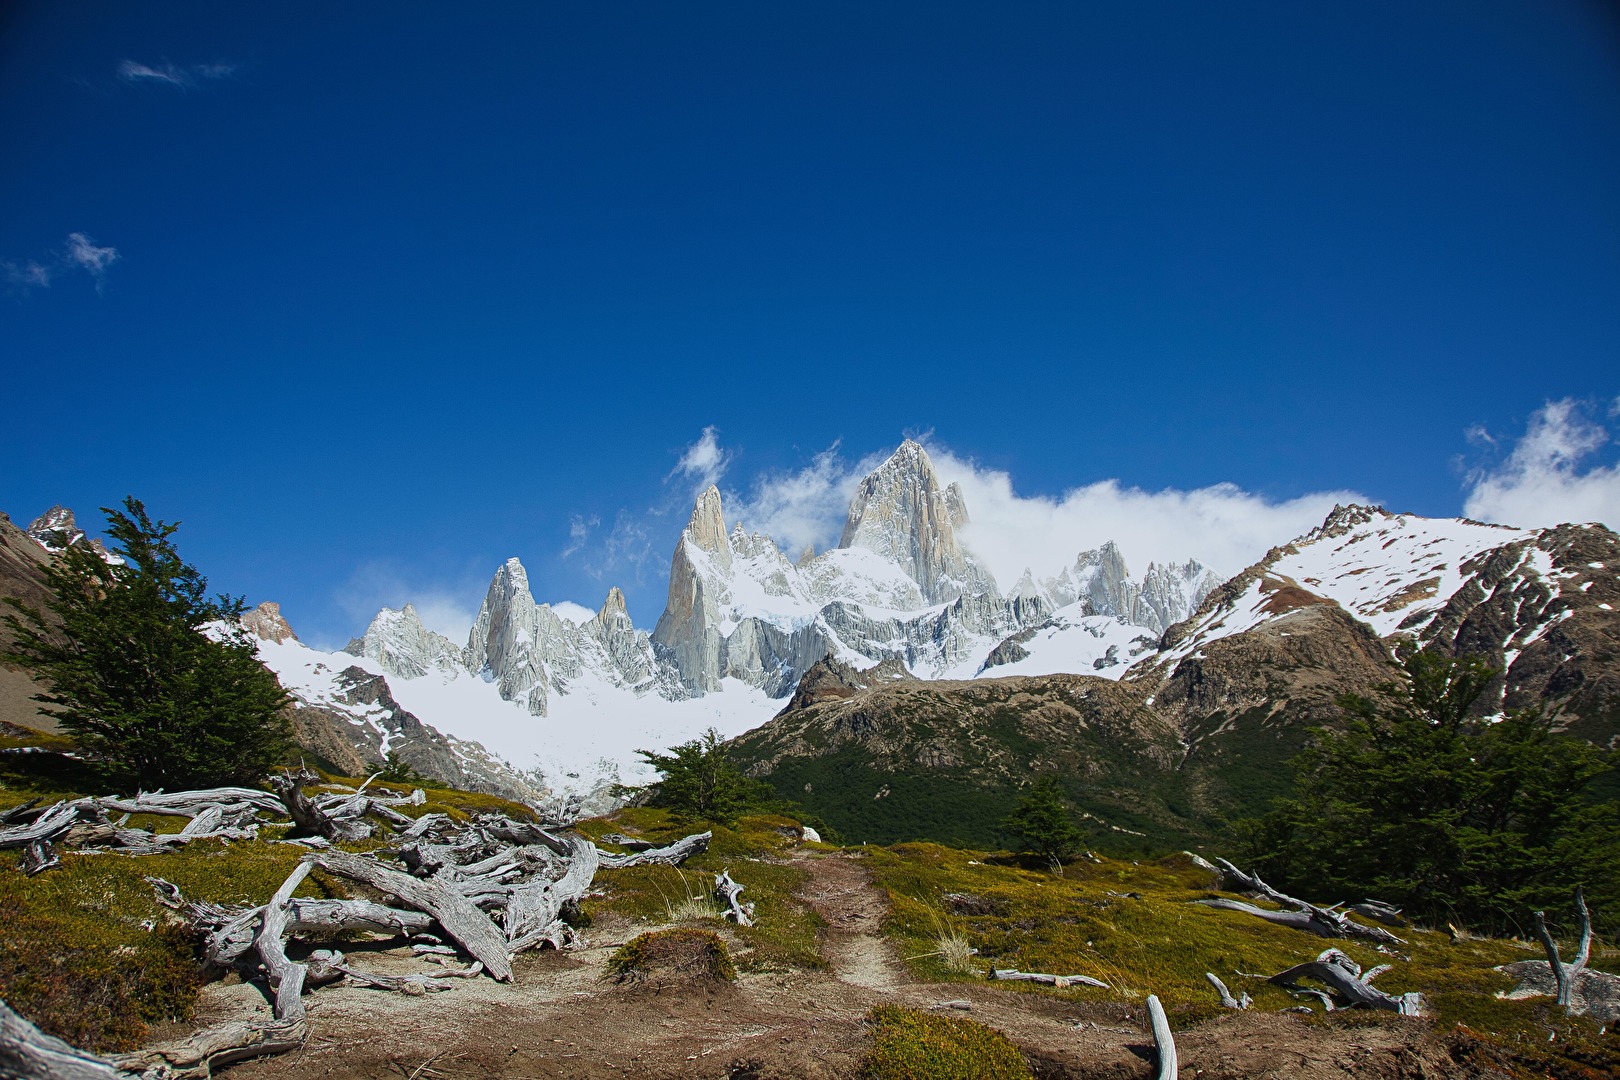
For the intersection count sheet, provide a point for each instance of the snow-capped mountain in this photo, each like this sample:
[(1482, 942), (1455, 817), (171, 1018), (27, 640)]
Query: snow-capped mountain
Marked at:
[(743, 622)]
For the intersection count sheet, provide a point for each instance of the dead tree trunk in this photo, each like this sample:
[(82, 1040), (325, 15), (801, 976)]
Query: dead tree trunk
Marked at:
[(1059, 981), (1166, 1042), (468, 926), (1350, 986), (1227, 1000), (1565, 976), (1324, 922), (673, 855), (27, 1053), (726, 891)]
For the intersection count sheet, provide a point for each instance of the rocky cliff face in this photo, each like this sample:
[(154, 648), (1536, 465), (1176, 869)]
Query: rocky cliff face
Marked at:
[(22, 576), (404, 647), (265, 623), (901, 513)]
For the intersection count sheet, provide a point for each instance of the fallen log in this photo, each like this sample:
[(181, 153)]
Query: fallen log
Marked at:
[(286, 978), (411, 984), (200, 1054), (1321, 921), (535, 910), (726, 892), (1227, 1000), (461, 920), (1349, 986), (53, 823), (1059, 981), (27, 1053), (673, 855), (1162, 1039), (310, 819), (39, 857)]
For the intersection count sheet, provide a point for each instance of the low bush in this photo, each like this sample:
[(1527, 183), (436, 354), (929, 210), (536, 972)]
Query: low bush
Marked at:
[(685, 954), (909, 1044)]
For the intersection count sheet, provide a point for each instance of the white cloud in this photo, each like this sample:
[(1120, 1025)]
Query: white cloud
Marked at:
[(1222, 526), (81, 253), (703, 461), (569, 611), (167, 74), (1542, 482), (804, 508), (627, 547), (444, 609)]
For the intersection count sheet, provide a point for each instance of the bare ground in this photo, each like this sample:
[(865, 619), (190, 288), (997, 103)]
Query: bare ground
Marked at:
[(562, 1018)]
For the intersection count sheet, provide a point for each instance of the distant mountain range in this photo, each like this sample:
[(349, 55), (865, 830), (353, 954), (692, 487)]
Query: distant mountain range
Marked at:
[(1214, 680)]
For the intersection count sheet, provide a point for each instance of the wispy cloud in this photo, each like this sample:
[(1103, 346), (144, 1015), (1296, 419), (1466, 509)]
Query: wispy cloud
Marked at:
[(579, 531), (79, 253), (704, 462), (181, 77), (628, 547), (1549, 477), (1222, 526)]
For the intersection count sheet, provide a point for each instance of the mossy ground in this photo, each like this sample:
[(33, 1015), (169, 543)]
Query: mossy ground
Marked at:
[(1088, 923), (910, 1044), (754, 849)]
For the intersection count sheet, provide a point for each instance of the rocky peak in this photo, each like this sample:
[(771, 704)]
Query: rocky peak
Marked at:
[(707, 527), (399, 642), (265, 623), (901, 512), (56, 529), (613, 612), (1341, 519)]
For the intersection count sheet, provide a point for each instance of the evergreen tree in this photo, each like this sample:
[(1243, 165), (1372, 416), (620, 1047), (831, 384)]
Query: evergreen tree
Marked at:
[(699, 778), (1421, 803), (1044, 825), (159, 682)]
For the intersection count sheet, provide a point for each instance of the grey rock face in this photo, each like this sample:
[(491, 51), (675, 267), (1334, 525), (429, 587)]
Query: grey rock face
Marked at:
[(403, 646), (265, 623), (901, 512), (1101, 581), (55, 529)]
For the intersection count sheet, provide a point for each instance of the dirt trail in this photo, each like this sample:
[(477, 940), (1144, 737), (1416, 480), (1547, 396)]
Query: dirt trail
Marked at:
[(562, 1018), (842, 893)]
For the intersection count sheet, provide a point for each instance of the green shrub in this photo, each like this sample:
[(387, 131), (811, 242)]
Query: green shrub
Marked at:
[(683, 953), (910, 1044)]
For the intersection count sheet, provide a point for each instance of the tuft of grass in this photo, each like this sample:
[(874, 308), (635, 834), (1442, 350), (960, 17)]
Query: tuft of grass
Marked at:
[(683, 953), (694, 904), (909, 1044)]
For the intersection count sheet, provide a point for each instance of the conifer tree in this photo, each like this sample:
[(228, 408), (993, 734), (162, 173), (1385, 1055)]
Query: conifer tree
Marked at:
[(1420, 802), (159, 683), (699, 778), (1044, 825)]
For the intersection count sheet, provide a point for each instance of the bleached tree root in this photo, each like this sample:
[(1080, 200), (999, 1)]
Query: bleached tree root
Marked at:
[(1321, 921), (673, 855), (1348, 986), (1168, 1066), (1227, 1000), (27, 1053), (726, 892), (1059, 981)]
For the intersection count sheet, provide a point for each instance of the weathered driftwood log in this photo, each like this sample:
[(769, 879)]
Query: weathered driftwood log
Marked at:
[(1059, 981), (39, 857), (673, 855), (286, 978), (1349, 986), (410, 984), (53, 823), (234, 932), (191, 803), (1566, 975), (1162, 1039), (534, 913), (726, 892), (27, 1053), (1227, 1000), (628, 843), (20, 811), (1324, 922), (309, 818), (468, 926), (1379, 911), (199, 1055)]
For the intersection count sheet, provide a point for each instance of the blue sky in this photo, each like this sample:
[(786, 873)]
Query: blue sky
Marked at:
[(373, 297)]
